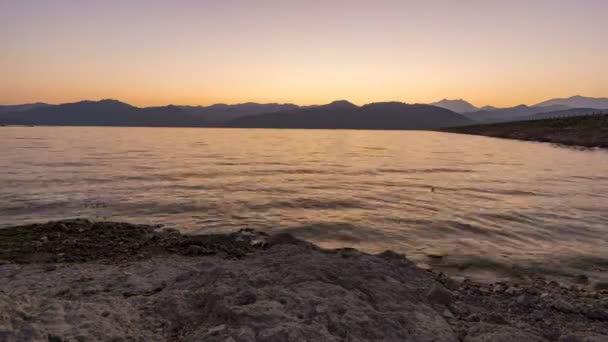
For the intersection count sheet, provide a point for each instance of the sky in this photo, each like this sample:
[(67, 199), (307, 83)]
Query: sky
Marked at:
[(152, 52)]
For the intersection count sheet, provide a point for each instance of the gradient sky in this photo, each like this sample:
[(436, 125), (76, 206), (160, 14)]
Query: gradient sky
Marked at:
[(150, 52)]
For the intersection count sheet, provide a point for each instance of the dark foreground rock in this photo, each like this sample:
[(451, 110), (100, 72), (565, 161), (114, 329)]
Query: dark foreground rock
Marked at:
[(275, 288)]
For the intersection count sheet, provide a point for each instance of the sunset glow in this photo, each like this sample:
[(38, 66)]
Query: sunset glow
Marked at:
[(305, 52)]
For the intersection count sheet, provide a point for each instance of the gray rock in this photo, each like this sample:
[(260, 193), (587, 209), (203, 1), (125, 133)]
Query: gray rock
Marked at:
[(448, 314), (562, 306), (526, 300), (246, 297), (597, 314)]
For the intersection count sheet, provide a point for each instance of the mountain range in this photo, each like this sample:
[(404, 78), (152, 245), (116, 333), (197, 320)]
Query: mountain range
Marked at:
[(338, 114), (575, 105)]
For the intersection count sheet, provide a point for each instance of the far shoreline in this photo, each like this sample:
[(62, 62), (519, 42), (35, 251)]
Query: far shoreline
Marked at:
[(581, 131)]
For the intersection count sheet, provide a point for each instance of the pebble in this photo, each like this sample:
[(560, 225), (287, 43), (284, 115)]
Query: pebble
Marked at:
[(448, 314), (216, 330)]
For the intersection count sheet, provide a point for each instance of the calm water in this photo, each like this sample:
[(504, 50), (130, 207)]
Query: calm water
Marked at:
[(498, 206)]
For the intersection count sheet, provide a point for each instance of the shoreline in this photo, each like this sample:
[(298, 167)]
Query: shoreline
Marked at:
[(103, 280), (581, 131)]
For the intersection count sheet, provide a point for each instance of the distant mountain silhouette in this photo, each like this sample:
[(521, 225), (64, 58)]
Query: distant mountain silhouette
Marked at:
[(577, 102), (345, 115), (511, 114), (22, 107), (458, 106), (338, 114), (224, 112), (564, 113), (101, 113), (116, 113)]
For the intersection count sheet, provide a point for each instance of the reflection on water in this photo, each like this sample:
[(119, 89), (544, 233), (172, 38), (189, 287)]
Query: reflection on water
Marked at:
[(482, 203)]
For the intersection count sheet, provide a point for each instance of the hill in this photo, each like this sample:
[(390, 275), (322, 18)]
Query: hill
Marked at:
[(577, 102), (458, 106), (512, 113), (22, 107), (101, 113), (345, 115)]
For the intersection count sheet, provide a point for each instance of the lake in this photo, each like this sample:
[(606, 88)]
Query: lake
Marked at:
[(484, 207)]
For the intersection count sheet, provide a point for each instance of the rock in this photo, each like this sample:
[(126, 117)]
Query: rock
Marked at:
[(474, 317), (513, 291), (216, 330), (482, 332), (538, 315), (245, 334), (562, 306), (601, 285), (526, 300), (246, 297), (448, 314), (440, 295), (495, 318), (551, 334), (50, 267), (4, 262), (500, 288), (194, 250), (581, 279), (570, 338), (54, 338), (597, 314)]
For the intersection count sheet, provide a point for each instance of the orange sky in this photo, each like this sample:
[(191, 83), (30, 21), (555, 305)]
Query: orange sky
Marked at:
[(306, 52)]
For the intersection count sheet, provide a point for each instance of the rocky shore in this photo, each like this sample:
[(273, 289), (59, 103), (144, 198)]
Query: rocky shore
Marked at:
[(79, 280), (585, 131)]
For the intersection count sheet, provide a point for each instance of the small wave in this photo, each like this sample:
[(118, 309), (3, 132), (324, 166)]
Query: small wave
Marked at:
[(429, 170), (308, 203)]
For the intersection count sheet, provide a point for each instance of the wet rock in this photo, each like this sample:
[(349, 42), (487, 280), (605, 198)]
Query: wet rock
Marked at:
[(440, 295)]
